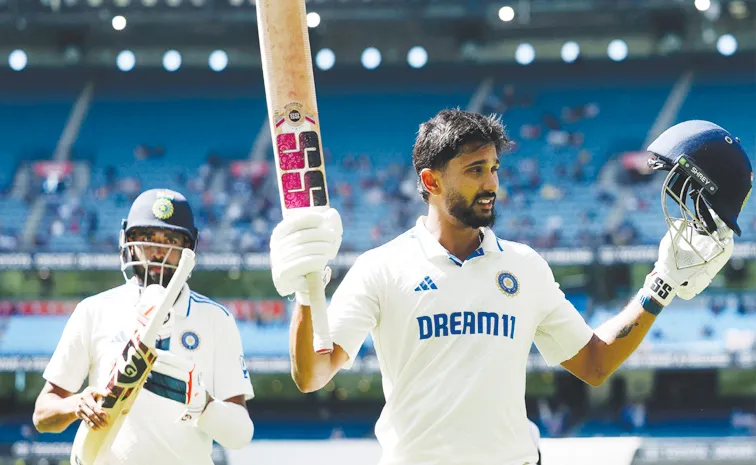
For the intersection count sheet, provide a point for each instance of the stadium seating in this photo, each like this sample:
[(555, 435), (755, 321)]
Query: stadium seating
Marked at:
[(13, 219), (181, 133), (705, 102), (29, 131), (551, 195), (553, 188)]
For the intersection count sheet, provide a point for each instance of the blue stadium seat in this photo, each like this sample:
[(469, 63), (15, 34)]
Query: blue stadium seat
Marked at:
[(190, 129)]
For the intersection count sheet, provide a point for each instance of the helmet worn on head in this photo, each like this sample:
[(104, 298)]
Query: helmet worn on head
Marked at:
[(708, 165), (162, 208), (155, 208)]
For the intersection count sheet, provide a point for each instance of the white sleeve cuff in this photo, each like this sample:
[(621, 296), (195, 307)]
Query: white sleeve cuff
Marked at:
[(227, 423)]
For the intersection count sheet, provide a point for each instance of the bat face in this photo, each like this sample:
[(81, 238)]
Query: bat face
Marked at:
[(126, 380), (292, 104), (295, 130), (129, 372), (299, 160)]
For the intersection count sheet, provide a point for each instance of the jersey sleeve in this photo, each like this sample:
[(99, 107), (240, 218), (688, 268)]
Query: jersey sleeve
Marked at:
[(354, 307), (563, 331), (69, 364), (230, 375)]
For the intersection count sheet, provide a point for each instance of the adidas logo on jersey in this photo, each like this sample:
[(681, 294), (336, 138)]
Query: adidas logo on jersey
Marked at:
[(426, 284)]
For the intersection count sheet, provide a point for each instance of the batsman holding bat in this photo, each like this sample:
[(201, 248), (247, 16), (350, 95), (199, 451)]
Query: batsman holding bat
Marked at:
[(453, 309), (196, 389)]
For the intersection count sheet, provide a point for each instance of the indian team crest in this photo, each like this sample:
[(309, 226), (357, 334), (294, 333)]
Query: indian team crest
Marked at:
[(162, 208), (190, 340), (507, 283)]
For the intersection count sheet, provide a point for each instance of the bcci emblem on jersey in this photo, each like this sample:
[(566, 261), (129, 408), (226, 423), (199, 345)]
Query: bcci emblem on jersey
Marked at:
[(507, 283), (190, 340)]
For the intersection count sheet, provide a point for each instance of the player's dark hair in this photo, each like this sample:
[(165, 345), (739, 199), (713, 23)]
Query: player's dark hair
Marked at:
[(446, 135)]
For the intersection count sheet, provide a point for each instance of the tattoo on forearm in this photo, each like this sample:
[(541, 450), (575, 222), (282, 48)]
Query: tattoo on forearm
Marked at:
[(626, 330)]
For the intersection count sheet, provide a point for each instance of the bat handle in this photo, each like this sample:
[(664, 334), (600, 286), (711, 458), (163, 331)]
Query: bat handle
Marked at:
[(321, 333)]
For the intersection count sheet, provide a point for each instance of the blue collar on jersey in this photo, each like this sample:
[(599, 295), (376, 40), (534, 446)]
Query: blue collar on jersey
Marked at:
[(432, 249)]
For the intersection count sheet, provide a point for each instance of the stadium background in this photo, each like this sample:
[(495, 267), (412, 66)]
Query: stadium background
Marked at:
[(95, 108)]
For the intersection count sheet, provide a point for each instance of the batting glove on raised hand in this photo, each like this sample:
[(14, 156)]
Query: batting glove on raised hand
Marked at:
[(301, 244), (686, 267), (178, 379), (700, 281)]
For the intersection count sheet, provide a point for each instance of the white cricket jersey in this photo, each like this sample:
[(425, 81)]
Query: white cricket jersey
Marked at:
[(452, 339), (199, 329)]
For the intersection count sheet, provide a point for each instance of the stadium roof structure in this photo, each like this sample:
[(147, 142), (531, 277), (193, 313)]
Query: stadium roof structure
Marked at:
[(66, 32)]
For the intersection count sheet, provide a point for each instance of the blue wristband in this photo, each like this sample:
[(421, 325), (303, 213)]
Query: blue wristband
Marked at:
[(650, 305)]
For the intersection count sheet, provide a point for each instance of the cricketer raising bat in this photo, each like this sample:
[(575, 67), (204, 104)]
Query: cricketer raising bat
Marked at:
[(131, 369), (293, 117)]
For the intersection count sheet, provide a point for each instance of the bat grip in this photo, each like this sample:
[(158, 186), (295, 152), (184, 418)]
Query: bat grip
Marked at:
[(321, 333)]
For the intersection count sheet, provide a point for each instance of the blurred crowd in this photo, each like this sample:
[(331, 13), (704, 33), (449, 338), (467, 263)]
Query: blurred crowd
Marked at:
[(544, 181)]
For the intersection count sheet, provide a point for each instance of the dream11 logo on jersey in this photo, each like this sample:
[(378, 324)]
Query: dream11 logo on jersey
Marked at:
[(300, 152)]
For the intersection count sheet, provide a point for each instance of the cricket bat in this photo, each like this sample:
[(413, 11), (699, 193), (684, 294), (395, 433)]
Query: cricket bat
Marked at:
[(131, 369), (295, 129)]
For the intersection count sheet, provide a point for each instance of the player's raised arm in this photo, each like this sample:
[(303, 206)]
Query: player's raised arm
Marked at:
[(310, 370), (710, 179), (301, 244), (619, 337)]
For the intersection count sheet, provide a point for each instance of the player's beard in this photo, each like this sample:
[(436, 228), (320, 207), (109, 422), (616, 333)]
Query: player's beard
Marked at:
[(464, 211), (153, 277)]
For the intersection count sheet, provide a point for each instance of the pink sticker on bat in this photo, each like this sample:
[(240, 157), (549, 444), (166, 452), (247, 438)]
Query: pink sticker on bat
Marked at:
[(290, 156), (294, 195)]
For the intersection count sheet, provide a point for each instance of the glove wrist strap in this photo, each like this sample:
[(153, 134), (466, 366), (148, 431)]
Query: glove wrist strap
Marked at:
[(660, 288), (649, 304)]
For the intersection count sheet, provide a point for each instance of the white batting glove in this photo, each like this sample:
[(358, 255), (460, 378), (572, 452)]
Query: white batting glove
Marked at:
[(668, 280), (701, 281), (301, 244), (178, 379)]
